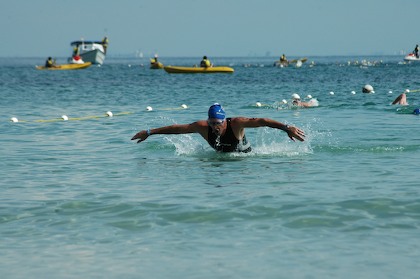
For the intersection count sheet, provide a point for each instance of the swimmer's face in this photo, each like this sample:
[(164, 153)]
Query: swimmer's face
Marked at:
[(217, 125)]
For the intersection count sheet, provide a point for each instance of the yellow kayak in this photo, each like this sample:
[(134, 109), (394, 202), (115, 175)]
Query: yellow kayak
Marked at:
[(66, 66), (197, 70)]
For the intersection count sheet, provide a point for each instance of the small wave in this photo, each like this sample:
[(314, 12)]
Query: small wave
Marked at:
[(364, 149), (191, 146), (406, 109)]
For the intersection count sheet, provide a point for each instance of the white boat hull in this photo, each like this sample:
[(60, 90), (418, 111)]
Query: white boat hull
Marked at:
[(94, 56), (411, 57), (90, 51)]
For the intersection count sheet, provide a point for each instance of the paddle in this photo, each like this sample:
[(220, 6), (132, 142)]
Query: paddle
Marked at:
[(303, 60)]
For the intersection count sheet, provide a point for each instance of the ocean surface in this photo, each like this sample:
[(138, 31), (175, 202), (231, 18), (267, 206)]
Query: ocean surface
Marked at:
[(79, 199)]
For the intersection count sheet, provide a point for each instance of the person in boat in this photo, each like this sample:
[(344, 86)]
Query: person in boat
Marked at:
[(283, 60), (75, 51), (154, 63), (105, 43), (223, 134), (154, 60), (205, 62), (50, 63), (296, 101), (416, 51)]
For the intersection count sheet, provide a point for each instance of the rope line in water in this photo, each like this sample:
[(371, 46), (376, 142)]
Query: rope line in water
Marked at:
[(411, 91), (106, 115)]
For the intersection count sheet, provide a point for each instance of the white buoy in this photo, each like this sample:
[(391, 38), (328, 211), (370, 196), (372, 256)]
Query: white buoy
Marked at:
[(353, 92), (149, 108), (109, 114), (309, 96), (390, 91), (258, 104), (184, 106), (284, 101), (64, 117), (14, 119), (331, 93), (367, 88)]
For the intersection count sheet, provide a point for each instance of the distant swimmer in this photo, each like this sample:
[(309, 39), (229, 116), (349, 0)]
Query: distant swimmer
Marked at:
[(205, 62), (296, 101), (223, 134), (401, 100)]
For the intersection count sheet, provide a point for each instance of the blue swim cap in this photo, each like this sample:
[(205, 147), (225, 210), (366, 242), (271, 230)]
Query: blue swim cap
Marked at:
[(416, 111), (216, 111)]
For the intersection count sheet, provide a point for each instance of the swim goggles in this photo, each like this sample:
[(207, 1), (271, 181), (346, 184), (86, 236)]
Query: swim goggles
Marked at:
[(215, 123)]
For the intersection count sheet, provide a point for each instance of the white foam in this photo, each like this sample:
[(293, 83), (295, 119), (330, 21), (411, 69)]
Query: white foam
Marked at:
[(313, 102)]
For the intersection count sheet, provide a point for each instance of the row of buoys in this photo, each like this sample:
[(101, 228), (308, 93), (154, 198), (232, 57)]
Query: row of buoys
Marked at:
[(183, 106), (66, 118), (366, 89), (314, 102), (107, 114)]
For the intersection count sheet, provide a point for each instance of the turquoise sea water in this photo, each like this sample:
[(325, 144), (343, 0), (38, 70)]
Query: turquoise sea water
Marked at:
[(79, 199)]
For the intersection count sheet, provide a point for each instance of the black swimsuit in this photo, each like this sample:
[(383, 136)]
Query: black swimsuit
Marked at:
[(228, 142)]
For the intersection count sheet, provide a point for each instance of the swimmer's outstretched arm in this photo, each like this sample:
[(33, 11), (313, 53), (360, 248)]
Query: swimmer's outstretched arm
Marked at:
[(292, 132), (195, 127)]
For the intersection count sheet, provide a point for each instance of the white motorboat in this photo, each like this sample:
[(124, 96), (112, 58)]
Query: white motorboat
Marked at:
[(412, 57), (90, 51)]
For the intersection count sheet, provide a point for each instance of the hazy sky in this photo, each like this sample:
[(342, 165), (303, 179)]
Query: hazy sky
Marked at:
[(40, 28)]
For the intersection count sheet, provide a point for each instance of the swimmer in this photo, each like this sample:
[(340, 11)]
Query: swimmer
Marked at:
[(297, 102), (223, 134), (401, 100)]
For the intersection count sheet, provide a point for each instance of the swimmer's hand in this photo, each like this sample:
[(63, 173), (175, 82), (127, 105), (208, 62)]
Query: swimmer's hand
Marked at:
[(295, 133), (141, 136)]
